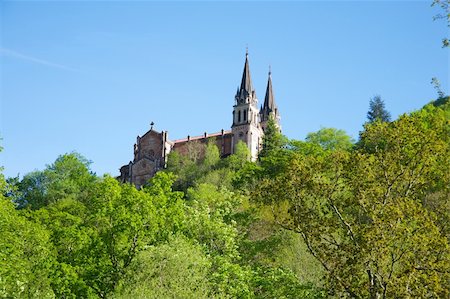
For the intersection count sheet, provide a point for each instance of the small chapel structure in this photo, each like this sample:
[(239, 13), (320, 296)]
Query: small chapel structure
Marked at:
[(152, 149)]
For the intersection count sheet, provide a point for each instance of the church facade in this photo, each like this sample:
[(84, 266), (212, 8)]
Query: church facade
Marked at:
[(152, 149)]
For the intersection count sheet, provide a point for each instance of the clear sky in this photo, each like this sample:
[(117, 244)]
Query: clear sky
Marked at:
[(90, 76)]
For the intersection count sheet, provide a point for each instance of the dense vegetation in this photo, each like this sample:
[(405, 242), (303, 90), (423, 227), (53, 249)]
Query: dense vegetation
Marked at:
[(325, 217)]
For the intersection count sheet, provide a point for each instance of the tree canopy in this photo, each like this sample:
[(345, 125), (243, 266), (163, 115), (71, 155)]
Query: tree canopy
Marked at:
[(362, 213), (317, 218)]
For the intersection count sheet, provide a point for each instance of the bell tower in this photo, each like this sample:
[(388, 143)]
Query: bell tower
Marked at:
[(246, 124)]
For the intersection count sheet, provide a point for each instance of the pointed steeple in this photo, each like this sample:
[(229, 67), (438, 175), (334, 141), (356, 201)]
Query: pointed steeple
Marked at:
[(246, 127), (246, 83), (269, 101), (246, 88)]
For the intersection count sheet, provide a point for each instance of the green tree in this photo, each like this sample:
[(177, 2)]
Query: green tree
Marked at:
[(210, 220), (168, 207), (97, 240), (331, 139), (272, 139), (68, 177), (124, 221), (30, 191), (176, 269), (435, 118), (239, 158), (65, 220), (360, 213), (281, 283), (224, 171), (26, 256), (212, 155), (377, 111), (189, 166)]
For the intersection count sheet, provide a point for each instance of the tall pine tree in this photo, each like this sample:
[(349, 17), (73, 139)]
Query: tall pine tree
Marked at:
[(377, 111)]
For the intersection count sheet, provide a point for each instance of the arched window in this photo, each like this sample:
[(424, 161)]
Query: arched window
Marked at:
[(245, 115), (239, 116)]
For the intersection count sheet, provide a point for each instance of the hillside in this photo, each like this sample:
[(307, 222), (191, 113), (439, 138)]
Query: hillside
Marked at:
[(322, 218)]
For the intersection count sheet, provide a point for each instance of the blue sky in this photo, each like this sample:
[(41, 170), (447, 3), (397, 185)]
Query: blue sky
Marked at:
[(91, 76)]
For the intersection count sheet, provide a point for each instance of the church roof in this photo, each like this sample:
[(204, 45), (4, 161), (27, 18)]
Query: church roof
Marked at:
[(192, 138)]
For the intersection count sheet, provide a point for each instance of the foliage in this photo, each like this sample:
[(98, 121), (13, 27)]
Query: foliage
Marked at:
[(360, 213), (445, 6), (331, 139), (239, 158), (437, 85), (213, 208), (208, 169), (436, 116), (176, 269), (309, 219), (282, 283), (212, 155), (377, 111), (273, 155), (96, 240), (199, 160), (272, 139), (185, 169), (68, 177), (25, 256)]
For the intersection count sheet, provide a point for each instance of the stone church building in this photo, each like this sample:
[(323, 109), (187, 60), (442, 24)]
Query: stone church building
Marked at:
[(249, 122)]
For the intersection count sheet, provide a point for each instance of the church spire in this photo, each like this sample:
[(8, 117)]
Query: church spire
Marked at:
[(246, 88), (246, 127), (269, 101)]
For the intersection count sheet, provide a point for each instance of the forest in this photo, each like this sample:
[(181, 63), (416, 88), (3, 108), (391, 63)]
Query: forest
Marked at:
[(327, 217)]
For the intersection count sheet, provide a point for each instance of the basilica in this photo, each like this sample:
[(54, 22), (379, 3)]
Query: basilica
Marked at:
[(249, 122)]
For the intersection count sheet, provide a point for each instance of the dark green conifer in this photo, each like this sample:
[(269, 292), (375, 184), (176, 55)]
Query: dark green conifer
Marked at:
[(272, 140), (377, 111)]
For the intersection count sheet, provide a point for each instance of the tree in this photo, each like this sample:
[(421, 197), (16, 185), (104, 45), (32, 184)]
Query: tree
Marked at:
[(26, 256), (361, 213), (68, 177), (239, 158), (331, 139), (437, 85), (212, 155), (65, 221), (281, 283), (377, 110), (123, 221), (189, 166), (97, 240), (445, 6), (272, 139), (176, 269), (211, 221)]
